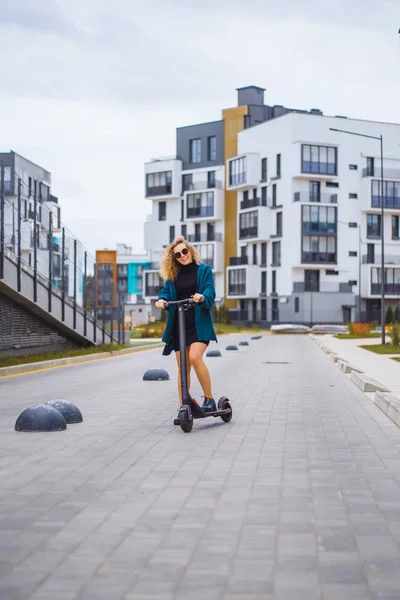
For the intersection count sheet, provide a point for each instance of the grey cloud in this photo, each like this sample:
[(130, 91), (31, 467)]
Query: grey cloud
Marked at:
[(37, 15)]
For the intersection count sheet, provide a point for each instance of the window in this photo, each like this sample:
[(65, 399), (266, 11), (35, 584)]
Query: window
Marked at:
[(370, 253), (184, 231), (248, 224), (392, 281), (207, 254), (352, 253), (278, 165), (162, 211), (331, 272), (246, 196), (254, 254), (197, 235), (264, 196), (34, 187), (195, 151), (274, 194), (374, 226), (315, 191), (353, 167), (264, 172), (332, 184), (318, 249), (279, 223), (200, 205), (237, 282), (171, 233), (311, 281), (395, 227), (158, 184), (187, 182), (210, 232), (318, 159), (152, 284), (353, 196), (370, 166), (255, 193), (212, 148), (237, 171), (29, 187), (211, 179), (296, 304), (276, 253), (319, 219), (353, 282), (263, 282), (273, 286), (391, 192), (182, 209), (353, 225), (263, 254)]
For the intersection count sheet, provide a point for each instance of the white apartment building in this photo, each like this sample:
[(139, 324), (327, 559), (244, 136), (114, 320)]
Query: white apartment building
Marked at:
[(309, 220)]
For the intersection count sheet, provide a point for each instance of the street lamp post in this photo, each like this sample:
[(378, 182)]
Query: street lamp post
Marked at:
[(380, 138)]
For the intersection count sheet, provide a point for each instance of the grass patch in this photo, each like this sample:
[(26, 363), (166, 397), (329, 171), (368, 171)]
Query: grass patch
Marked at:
[(396, 359), (139, 342), (9, 361), (382, 348), (349, 336)]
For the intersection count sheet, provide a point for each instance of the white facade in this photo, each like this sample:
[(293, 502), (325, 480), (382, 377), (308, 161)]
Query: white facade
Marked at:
[(194, 209), (315, 227)]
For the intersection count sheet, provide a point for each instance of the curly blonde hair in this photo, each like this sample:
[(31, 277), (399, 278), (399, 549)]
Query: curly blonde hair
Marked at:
[(169, 267)]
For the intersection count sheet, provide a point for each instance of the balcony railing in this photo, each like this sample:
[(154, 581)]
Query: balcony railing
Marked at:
[(152, 290), (318, 228), (208, 261), (202, 185), (250, 203), (237, 289), (236, 261), (205, 237), (238, 179), (376, 172), (326, 286), (200, 211), (248, 232), (318, 257), (390, 259), (162, 190), (389, 202), (392, 289), (323, 198)]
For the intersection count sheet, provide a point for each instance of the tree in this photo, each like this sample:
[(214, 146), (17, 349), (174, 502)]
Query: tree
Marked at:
[(397, 314), (389, 316)]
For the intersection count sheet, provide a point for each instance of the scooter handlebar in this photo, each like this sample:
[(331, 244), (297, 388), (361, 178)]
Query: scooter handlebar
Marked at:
[(178, 302)]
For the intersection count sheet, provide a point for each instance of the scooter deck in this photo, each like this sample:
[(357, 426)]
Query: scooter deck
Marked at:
[(198, 413)]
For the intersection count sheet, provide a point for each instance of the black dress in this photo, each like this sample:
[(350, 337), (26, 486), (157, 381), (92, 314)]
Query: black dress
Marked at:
[(186, 286)]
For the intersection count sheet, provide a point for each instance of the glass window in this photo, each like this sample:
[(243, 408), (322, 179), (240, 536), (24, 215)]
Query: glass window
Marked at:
[(195, 150), (212, 148), (159, 183), (319, 159), (162, 211)]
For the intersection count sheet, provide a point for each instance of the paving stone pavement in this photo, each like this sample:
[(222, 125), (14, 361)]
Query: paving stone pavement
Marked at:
[(296, 499)]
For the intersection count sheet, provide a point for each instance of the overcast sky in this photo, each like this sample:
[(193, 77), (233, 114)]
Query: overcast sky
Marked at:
[(92, 89)]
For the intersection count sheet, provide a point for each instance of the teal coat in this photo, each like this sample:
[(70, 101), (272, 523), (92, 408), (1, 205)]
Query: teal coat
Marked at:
[(203, 318)]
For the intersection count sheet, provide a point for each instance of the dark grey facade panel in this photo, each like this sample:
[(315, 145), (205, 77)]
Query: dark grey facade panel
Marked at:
[(201, 131), (251, 95)]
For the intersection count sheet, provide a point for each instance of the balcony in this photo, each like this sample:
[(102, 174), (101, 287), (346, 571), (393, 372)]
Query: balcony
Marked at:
[(204, 205), (250, 203), (197, 212), (205, 237), (243, 281), (237, 289), (152, 291), (203, 185), (391, 289), (236, 261), (322, 198), (391, 202), (318, 228), (163, 178), (318, 257), (162, 190), (390, 259), (248, 232), (325, 287), (244, 171), (376, 172)]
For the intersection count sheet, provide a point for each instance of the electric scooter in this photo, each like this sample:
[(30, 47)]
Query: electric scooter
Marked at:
[(190, 409)]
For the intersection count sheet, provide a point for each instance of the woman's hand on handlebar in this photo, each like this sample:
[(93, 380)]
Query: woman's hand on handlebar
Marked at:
[(198, 298), (160, 303)]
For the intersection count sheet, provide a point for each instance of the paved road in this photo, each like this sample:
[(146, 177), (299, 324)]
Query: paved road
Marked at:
[(296, 499)]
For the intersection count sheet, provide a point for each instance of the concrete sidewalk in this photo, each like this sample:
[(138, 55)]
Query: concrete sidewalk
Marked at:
[(297, 498), (377, 366)]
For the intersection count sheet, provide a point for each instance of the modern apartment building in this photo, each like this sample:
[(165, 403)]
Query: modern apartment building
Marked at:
[(309, 220), (189, 194)]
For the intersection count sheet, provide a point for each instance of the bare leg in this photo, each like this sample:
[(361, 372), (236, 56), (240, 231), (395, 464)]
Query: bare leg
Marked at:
[(188, 368), (196, 351)]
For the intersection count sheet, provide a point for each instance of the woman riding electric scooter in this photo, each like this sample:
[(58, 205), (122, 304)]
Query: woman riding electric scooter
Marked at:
[(186, 277)]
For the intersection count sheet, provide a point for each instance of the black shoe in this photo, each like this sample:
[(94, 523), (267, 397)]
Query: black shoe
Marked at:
[(209, 405)]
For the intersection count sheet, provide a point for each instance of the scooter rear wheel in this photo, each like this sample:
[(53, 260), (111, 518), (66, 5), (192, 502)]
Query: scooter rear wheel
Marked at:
[(224, 404), (186, 420)]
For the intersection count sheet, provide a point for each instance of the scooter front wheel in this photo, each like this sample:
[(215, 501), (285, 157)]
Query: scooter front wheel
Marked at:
[(186, 419), (224, 404)]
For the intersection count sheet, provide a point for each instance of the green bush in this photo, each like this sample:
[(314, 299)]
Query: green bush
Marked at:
[(389, 316), (395, 335), (397, 314)]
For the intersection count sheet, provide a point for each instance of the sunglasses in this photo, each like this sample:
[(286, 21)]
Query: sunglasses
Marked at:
[(179, 254)]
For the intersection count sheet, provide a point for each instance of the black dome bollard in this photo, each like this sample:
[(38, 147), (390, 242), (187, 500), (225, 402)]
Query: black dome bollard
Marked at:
[(213, 353), (40, 418), (68, 409), (244, 343), (156, 375), (231, 347), (256, 337)]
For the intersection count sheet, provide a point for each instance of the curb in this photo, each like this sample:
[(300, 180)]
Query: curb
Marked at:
[(62, 362), (389, 405), (366, 384)]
